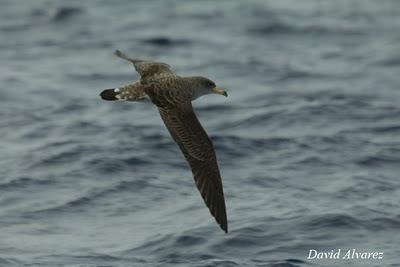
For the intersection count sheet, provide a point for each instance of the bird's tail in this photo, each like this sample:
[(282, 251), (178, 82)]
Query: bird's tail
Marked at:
[(131, 92), (110, 94)]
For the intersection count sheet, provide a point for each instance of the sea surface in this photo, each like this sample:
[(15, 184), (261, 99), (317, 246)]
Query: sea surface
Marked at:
[(308, 141)]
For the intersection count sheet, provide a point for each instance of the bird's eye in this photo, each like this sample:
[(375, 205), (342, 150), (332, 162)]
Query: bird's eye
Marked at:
[(211, 84)]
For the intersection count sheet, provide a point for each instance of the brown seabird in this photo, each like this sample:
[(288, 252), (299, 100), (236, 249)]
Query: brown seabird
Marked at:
[(173, 96)]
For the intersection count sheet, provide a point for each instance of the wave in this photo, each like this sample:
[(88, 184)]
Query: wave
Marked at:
[(329, 221), (287, 263), (93, 259), (24, 182), (108, 165), (276, 28), (382, 129), (88, 201), (99, 76), (226, 141), (165, 41), (66, 13), (391, 61), (10, 262), (378, 160)]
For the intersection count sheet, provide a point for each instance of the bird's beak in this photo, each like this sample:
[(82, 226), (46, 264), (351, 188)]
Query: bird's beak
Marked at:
[(220, 91)]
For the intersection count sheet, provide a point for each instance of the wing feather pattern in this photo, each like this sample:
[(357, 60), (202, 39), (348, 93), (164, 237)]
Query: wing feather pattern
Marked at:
[(198, 150), (146, 68)]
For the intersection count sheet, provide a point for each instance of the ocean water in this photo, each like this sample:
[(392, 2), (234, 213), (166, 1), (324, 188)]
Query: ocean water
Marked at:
[(308, 140)]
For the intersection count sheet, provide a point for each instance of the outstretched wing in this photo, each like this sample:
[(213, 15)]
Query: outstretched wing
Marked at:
[(146, 68), (198, 150)]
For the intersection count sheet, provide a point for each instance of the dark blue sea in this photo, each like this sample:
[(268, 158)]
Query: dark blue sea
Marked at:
[(308, 141)]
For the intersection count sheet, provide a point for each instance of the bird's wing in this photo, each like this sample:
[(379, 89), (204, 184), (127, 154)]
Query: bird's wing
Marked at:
[(198, 150), (146, 68)]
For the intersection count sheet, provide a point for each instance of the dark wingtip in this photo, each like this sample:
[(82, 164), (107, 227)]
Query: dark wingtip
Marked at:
[(108, 95), (225, 228), (117, 53)]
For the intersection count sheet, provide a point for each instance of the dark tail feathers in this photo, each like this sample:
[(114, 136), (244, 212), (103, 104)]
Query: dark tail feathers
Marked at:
[(109, 94)]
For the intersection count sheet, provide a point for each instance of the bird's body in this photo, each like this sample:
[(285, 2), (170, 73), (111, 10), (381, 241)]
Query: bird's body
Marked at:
[(173, 94)]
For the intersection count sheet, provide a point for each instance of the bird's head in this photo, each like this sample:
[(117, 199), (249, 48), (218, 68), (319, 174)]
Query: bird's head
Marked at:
[(204, 86)]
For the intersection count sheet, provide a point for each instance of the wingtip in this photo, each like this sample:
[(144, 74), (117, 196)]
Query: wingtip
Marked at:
[(224, 227), (117, 52)]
